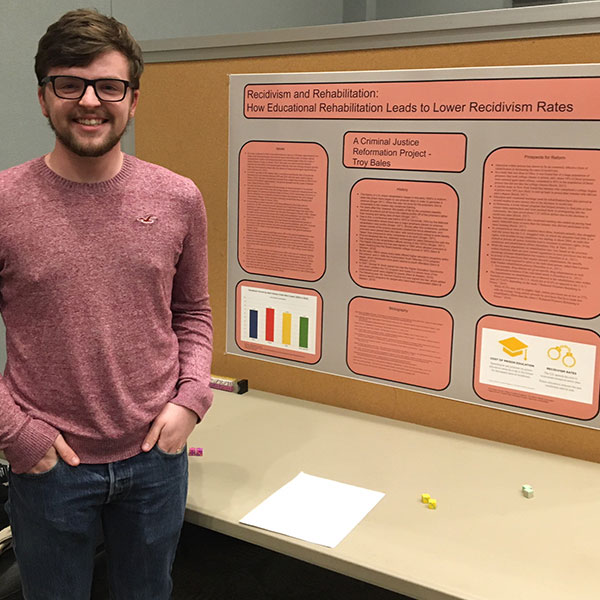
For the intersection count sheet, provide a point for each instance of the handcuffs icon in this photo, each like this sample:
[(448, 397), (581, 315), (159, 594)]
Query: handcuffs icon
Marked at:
[(568, 360)]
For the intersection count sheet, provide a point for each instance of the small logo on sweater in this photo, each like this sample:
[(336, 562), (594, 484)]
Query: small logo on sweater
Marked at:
[(148, 219)]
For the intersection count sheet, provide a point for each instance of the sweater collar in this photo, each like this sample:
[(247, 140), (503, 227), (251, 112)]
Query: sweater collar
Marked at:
[(101, 186)]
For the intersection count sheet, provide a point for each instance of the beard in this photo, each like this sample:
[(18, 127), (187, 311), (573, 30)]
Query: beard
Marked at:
[(69, 140)]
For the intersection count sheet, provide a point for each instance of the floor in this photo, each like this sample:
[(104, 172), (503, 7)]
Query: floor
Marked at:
[(211, 566)]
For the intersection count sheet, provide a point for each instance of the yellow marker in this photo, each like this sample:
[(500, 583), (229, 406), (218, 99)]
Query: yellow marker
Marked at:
[(425, 498), (514, 347), (432, 504)]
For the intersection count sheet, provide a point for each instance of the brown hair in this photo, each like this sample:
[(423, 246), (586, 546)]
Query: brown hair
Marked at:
[(80, 36)]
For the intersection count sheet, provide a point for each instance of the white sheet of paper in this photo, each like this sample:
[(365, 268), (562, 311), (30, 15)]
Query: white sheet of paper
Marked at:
[(314, 509)]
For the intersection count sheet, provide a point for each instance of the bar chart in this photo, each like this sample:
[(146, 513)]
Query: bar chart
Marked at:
[(282, 319)]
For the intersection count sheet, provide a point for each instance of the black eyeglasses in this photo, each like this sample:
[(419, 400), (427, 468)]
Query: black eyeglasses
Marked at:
[(68, 87)]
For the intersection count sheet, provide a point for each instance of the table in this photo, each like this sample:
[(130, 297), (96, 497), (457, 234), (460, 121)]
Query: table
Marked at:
[(485, 541)]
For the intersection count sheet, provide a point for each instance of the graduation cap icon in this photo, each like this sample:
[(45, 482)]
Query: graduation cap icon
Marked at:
[(514, 347)]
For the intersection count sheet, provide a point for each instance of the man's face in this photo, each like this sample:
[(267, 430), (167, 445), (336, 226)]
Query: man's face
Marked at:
[(88, 126)]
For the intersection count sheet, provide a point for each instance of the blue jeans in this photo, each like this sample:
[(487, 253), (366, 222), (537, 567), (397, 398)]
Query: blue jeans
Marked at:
[(59, 517)]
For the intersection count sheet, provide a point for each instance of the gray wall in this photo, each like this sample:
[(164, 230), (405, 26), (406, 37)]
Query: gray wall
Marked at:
[(25, 133), (157, 19), (389, 9)]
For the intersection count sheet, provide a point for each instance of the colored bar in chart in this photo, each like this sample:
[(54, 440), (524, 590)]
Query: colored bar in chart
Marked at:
[(254, 324), (303, 343), (270, 325), (286, 328)]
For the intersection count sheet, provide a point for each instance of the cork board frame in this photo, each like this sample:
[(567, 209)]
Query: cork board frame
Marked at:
[(182, 123)]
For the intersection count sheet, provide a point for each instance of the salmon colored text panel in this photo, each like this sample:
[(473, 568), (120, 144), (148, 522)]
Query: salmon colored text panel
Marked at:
[(282, 209), (405, 151), (565, 98), (400, 342), (403, 236), (562, 363), (280, 321), (540, 240)]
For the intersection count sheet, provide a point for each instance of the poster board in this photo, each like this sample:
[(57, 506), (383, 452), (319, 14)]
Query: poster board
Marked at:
[(187, 132), (445, 224)]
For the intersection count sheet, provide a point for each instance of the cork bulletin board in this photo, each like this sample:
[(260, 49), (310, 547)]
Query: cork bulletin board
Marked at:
[(182, 123)]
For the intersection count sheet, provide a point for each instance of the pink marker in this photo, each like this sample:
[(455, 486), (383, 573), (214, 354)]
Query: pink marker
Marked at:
[(196, 452)]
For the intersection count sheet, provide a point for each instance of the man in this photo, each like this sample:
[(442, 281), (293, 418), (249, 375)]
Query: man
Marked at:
[(103, 291)]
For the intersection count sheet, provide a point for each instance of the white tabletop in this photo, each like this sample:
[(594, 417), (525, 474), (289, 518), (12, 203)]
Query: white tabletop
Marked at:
[(485, 541)]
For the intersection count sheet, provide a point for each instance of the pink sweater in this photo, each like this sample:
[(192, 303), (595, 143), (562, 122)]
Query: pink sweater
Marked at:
[(103, 291)]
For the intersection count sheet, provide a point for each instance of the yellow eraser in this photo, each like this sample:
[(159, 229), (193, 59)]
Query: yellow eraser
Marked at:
[(432, 504)]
